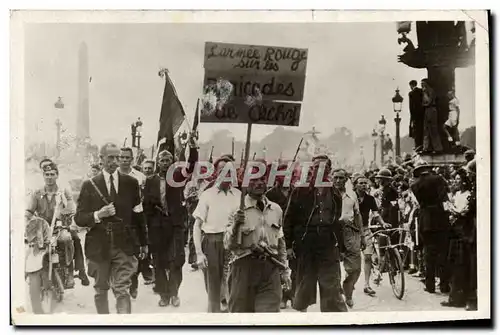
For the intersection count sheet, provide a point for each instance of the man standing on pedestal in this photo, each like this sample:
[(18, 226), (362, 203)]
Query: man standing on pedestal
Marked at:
[(416, 114), (432, 139), (450, 126)]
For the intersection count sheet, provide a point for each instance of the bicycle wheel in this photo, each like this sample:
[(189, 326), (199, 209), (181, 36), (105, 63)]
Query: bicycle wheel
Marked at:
[(395, 272)]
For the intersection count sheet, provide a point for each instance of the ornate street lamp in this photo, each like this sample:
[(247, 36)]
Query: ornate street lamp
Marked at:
[(374, 137), (381, 123), (136, 132), (59, 104), (397, 103)]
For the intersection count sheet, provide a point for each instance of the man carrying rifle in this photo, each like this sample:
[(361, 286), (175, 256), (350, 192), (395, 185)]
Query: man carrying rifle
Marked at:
[(255, 238)]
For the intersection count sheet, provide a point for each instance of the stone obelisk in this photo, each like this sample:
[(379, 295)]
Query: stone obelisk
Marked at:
[(83, 118)]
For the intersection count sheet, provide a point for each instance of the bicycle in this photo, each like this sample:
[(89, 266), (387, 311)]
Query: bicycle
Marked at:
[(392, 263)]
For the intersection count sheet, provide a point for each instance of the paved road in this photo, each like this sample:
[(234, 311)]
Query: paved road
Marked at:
[(193, 298)]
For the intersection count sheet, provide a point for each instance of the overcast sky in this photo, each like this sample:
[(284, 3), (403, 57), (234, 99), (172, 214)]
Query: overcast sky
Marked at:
[(352, 72)]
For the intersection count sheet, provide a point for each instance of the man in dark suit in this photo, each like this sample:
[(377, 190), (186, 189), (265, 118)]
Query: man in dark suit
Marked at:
[(312, 224), (110, 205), (416, 114), (167, 217), (431, 191)]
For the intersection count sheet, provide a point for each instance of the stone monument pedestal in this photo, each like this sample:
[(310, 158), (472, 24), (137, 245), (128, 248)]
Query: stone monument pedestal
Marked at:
[(444, 159)]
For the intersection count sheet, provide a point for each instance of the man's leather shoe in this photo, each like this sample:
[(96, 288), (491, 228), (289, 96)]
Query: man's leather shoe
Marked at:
[(452, 304), (471, 307), (368, 290), (430, 290), (70, 281), (83, 278), (101, 304), (164, 301), (133, 293), (176, 302), (123, 305)]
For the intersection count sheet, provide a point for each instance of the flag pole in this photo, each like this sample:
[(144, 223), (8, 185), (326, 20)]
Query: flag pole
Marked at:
[(232, 147), (245, 162)]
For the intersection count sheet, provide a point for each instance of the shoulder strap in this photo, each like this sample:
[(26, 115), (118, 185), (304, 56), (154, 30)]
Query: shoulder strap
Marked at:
[(103, 198)]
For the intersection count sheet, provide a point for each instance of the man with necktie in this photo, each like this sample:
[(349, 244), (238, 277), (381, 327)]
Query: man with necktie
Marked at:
[(110, 205)]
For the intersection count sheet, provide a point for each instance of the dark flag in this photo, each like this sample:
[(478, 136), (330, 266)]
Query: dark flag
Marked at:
[(196, 120), (171, 117)]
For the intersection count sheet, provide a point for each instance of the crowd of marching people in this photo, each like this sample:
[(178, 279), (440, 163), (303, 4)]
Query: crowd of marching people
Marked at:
[(259, 251)]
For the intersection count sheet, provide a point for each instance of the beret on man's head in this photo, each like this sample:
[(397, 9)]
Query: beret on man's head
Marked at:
[(50, 167), (165, 154)]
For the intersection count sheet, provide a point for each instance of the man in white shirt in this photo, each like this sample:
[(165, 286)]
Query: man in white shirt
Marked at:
[(192, 192), (354, 240), (451, 124), (212, 214), (126, 160)]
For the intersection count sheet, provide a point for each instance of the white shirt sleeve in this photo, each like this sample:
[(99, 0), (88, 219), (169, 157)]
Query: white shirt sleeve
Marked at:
[(201, 211), (96, 218), (138, 208)]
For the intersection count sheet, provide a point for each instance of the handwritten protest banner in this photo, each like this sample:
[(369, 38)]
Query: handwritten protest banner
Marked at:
[(274, 77), (268, 112), (285, 88), (253, 84), (255, 59)]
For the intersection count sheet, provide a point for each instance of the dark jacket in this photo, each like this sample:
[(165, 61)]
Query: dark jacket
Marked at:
[(128, 231), (416, 110), (431, 191), (300, 209), (177, 213)]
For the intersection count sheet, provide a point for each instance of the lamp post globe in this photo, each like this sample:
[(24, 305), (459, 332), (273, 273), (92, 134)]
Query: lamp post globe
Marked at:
[(397, 103)]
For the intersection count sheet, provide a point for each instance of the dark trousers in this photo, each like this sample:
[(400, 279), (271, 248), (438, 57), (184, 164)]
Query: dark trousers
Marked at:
[(169, 258), (212, 246), (78, 255), (435, 254), (115, 272), (418, 133), (191, 248), (432, 139), (472, 260), (318, 262), (254, 286), (145, 269), (463, 276)]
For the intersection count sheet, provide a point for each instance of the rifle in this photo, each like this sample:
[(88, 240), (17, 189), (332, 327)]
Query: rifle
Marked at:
[(211, 155), (263, 249), (291, 189)]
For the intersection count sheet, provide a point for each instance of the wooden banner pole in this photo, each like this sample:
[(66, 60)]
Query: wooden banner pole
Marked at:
[(245, 162)]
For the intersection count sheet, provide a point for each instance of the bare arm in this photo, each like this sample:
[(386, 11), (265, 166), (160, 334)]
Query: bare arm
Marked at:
[(197, 236)]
